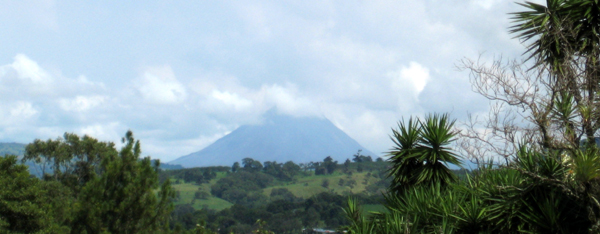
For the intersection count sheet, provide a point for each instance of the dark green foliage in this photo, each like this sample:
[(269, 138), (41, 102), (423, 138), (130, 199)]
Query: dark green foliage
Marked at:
[(361, 158), (73, 161), (242, 188), (23, 201), (242, 180), (282, 211), (285, 172), (283, 216), (201, 195), (282, 194), (194, 175), (320, 170), (329, 164), (421, 154), (235, 167), (538, 192), (347, 165), (325, 183), (90, 187), (251, 165), (122, 199)]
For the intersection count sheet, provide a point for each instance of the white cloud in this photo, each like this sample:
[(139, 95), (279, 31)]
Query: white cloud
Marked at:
[(81, 103), (159, 85), (17, 115), (28, 69), (22, 110), (41, 104), (415, 74), (112, 131), (171, 150), (232, 99), (411, 80), (288, 100), (25, 70)]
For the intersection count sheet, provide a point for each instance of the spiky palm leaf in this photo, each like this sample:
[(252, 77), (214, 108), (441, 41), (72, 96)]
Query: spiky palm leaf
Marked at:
[(546, 25), (421, 153), (403, 155), (434, 152)]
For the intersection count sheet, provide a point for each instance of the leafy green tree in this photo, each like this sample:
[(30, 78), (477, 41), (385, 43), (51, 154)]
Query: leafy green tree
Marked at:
[(252, 165), (325, 183), (28, 205), (358, 157), (329, 164), (72, 160), (126, 197), (282, 194), (235, 167), (290, 169), (347, 166), (21, 209)]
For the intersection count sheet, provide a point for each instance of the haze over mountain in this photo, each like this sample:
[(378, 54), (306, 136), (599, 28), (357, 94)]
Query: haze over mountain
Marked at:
[(279, 138), (12, 148)]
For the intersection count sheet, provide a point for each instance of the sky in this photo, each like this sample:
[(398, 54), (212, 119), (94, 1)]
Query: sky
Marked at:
[(182, 74)]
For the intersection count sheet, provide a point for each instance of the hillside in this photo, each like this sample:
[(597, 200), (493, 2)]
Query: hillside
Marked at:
[(366, 178), (279, 138)]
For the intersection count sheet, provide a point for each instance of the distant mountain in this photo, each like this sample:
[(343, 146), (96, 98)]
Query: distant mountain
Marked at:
[(280, 138), (12, 148), (18, 149), (166, 166)]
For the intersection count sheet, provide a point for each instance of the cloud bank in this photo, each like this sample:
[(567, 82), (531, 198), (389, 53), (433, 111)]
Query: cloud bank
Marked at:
[(181, 75)]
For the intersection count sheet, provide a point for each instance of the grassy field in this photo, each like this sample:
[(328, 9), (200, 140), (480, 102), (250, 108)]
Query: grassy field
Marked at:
[(303, 186), (186, 196), (308, 186)]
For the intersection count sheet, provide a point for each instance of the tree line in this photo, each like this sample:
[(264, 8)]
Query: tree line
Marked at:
[(88, 186)]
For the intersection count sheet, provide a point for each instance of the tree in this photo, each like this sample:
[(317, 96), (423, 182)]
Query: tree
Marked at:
[(421, 153), (358, 157), (290, 169), (71, 160), (329, 164), (235, 167), (126, 197), (272, 168), (325, 183), (553, 103), (251, 165), (23, 205)]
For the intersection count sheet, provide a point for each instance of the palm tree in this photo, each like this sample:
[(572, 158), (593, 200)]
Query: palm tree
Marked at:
[(421, 153), (433, 150), (403, 155), (566, 39), (546, 24)]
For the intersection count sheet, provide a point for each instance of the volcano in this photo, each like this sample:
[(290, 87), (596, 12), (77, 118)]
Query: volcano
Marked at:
[(279, 138)]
